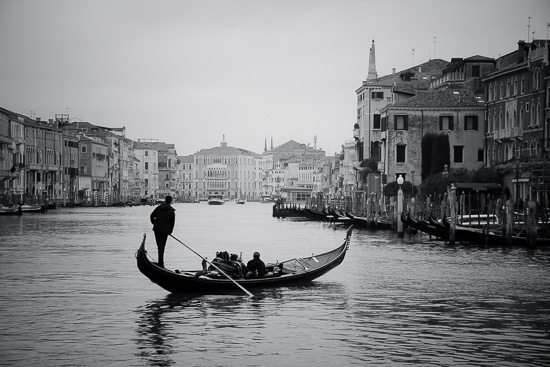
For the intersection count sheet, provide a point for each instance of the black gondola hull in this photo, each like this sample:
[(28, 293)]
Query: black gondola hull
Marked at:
[(187, 282)]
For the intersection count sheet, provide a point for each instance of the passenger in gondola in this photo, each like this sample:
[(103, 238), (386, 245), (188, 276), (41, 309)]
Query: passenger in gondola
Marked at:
[(255, 267)]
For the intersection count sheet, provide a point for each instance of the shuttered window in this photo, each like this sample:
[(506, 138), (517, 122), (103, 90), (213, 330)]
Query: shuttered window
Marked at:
[(446, 123), (401, 122)]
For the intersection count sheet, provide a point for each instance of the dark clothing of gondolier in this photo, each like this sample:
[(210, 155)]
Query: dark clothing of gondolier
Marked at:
[(163, 219)]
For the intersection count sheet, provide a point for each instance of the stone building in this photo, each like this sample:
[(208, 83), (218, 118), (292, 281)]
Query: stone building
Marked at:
[(458, 114), (228, 171), (518, 121), (376, 93)]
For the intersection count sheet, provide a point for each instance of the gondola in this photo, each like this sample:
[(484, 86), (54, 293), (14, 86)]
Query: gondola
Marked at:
[(425, 227), (360, 221), (295, 271)]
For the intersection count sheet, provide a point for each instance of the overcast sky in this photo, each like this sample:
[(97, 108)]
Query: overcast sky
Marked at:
[(189, 72)]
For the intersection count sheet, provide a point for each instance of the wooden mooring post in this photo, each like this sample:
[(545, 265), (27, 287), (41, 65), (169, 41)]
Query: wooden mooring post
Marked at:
[(453, 212)]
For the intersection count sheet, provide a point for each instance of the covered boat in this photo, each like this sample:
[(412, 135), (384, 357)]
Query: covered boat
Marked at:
[(216, 199), (291, 272)]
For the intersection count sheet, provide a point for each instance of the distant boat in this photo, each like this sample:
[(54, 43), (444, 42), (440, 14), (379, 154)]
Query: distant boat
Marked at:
[(266, 199), (215, 199)]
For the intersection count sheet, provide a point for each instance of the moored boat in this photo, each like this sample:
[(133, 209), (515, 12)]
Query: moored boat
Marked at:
[(12, 210), (33, 208), (295, 271)]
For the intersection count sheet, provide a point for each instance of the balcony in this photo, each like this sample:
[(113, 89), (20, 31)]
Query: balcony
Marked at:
[(507, 134)]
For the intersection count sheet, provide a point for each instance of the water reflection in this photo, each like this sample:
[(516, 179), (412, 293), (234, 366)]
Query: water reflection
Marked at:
[(223, 323)]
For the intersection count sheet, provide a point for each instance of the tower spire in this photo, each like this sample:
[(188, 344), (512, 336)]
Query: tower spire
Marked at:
[(372, 64), (265, 146)]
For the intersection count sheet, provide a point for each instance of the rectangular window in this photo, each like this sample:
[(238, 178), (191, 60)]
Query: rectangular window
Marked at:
[(475, 71), (446, 123), (376, 123), (146, 153), (377, 95), (470, 123), (480, 155), (83, 149), (146, 165), (83, 169), (458, 154), (401, 122), (527, 107), (400, 153)]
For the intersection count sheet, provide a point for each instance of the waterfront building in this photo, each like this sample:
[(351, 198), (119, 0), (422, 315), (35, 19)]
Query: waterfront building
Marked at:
[(376, 93), (274, 161), (117, 187), (148, 173), (12, 157), (135, 183), (518, 120), (71, 163), (43, 165), (187, 174), (456, 114), (226, 170), (167, 159), (93, 179)]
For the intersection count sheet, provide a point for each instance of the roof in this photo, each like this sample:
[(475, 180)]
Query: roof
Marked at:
[(226, 150), (186, 158), (430, 68), (441, 98)]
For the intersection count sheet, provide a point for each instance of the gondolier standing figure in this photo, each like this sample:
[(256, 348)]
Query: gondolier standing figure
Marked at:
[(163, 219)]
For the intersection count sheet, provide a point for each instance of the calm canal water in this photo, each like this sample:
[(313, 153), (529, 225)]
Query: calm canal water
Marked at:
[(73, 296)]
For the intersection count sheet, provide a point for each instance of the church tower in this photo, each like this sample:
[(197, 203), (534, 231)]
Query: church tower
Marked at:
[(372, 64)]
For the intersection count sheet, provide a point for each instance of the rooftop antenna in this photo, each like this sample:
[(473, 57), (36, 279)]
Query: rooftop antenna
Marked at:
[(412, 51), (435, 40), (528, 28)]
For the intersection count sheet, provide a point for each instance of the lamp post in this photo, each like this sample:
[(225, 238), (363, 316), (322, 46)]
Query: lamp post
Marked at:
[(399, 206)]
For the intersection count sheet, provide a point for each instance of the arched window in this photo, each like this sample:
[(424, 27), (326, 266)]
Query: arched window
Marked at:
[(500, 121), (501, 91), (539, 114), (522, 84), (521, 116), (490, 98), (532, 121), (489, 123), (508, 88), (516, 86), (515, 119), (507, 121)]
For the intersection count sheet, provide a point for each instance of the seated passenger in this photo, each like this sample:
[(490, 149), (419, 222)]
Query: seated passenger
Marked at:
[(256, 267)]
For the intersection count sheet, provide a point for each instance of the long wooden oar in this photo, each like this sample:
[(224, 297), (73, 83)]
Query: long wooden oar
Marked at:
[(220, 270)]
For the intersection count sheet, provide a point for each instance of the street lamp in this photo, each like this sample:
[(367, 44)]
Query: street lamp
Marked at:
[(400, 181)]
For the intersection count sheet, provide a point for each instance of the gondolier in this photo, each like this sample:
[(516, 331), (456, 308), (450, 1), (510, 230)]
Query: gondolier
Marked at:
[(163, 219)]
